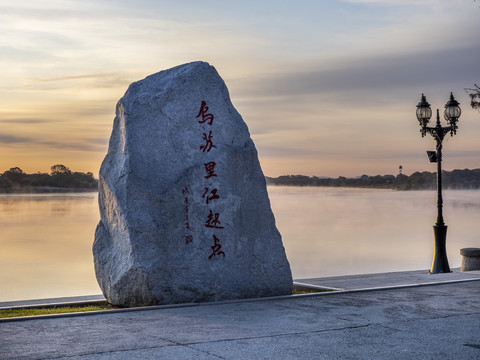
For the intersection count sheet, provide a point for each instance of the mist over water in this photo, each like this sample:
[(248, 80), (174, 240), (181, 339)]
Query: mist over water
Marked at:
[(46, 240)]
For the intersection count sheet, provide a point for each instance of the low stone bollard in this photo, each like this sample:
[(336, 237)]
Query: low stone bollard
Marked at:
[(471, 259)]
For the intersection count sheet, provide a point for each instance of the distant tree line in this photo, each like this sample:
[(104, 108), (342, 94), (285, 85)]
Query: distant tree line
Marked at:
[(61, 178), (456, 179)]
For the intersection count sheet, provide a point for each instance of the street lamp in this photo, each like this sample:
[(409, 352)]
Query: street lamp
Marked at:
[(452, 113)]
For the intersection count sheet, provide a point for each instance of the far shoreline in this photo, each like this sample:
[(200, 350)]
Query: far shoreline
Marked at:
[(46, 190)]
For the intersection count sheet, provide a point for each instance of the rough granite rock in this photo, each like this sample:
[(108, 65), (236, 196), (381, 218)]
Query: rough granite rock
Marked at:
[(185, 215)]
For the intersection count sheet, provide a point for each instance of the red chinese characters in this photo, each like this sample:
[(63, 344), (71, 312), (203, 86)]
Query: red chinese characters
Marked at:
[(208, 145), (206, 118), (213, 195), (216, 248), (210, 194), (210, 169), (213, 221)]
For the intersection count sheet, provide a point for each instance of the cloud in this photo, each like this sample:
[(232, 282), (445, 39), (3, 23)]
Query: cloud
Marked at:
[(13, 139), (12, 54), (89, 114), (24, 121), (367, 76), (98, 80), (89, 144), (400, 2), (84, 145), (312, 79)]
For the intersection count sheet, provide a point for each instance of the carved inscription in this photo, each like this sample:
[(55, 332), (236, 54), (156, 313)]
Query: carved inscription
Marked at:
[(188, 237), (211, 193)]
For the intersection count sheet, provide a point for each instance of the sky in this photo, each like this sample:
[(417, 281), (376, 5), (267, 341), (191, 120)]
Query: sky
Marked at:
[(327, 88)]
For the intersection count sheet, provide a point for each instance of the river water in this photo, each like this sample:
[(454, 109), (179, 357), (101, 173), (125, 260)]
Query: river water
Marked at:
[(45, 240)]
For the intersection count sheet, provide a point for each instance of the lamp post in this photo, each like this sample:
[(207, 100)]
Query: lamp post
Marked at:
[(451, 114)]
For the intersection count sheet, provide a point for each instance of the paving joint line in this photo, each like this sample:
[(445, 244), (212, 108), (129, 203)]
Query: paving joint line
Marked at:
[(172, 344), (282, 334)]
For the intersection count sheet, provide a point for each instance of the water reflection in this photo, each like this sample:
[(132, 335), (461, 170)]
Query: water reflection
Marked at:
[(46, 239), (335, 231), (46, 245)]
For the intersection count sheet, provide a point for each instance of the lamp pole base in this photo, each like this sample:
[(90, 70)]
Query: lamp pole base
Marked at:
[(440, 261)]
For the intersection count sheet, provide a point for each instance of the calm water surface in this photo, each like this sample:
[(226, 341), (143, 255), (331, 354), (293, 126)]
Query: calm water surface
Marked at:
[(45, 240)]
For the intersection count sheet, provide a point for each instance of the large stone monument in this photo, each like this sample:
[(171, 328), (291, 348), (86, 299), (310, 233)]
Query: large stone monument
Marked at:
[(185, 215)]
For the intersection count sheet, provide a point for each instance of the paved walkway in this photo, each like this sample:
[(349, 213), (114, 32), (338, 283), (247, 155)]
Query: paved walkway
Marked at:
[(390, 280), (405, 319)]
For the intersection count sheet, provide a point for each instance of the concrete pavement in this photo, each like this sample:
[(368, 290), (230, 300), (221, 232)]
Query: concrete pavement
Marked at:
[(404, 319), (390, 280)]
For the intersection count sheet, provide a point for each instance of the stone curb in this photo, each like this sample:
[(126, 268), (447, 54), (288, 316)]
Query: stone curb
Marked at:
[(282, 297), (52, 304)]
